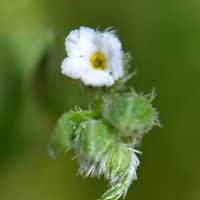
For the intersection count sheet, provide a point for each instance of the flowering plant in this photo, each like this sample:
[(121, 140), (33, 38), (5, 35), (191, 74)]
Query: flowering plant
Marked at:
[(106, 135)]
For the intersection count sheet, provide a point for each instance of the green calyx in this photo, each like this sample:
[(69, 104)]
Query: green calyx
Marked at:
[(64, 133), (130, 113), (117, 159), (94, 138), (121, 164)]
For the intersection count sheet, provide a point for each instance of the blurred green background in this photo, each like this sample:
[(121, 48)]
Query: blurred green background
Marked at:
[(164, 38)]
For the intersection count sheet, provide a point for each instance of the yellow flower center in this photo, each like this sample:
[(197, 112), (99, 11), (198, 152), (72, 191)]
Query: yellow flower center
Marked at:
[(98, 60)]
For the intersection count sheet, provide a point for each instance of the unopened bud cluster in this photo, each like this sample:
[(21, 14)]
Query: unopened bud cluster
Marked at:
[(104, 142)]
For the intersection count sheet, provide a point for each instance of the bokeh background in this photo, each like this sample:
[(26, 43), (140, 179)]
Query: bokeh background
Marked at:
[(164, 38)]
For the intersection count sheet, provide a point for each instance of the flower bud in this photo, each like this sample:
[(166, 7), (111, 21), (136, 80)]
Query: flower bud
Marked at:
[(121, 165), (118, 160), (94, 138), (64, 132), (130, 113)]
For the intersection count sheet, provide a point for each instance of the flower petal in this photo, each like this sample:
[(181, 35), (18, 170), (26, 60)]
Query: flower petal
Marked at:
[(97, 78), (79, 42), (74, 67), (110, 45)]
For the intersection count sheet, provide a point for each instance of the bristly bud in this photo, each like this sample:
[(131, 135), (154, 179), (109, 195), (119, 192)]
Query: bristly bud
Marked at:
[(64, 133), (130, 113), (121, 166), (94, 138)]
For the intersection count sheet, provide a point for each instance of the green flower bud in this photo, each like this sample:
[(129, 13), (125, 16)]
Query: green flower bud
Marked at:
[(121, 165), (118, 160), (130, 113), (64, 132), (94, 138)]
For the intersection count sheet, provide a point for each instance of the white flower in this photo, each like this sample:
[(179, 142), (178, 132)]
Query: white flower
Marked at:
[(94, 57)]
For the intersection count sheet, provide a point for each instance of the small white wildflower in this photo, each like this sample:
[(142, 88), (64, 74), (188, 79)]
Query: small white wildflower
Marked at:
[(94, 57)]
